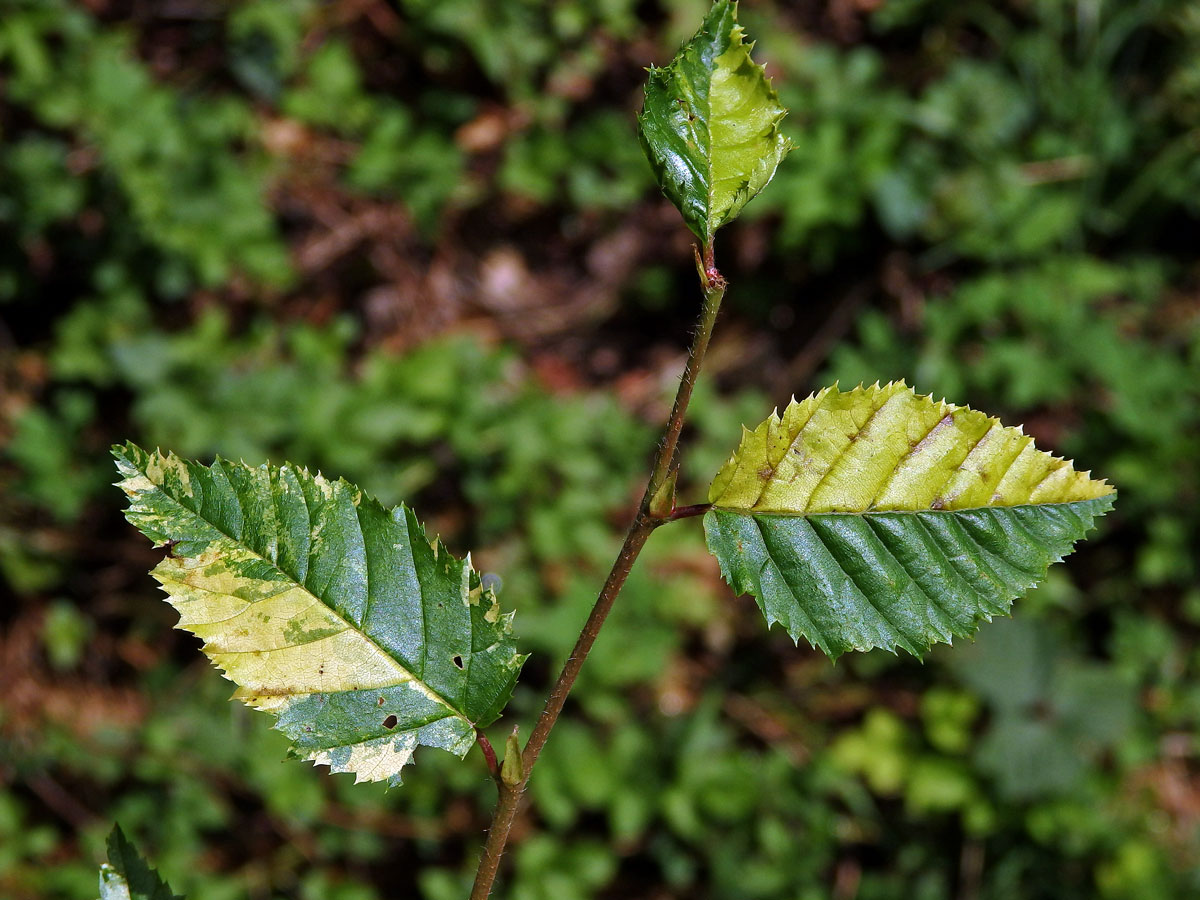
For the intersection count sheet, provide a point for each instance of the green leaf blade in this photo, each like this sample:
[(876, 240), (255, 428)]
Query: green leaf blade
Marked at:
[(710, 125), (879, 518), (127, 876), (339, 616)]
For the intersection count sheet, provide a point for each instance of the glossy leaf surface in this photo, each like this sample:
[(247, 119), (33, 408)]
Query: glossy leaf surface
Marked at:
[(363, 637), (879, 518), (710, 125)]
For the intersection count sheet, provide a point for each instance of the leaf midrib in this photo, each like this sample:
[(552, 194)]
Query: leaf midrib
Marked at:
[(793, 514)]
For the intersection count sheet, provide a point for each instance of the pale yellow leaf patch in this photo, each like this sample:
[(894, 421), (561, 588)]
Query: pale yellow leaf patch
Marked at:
[(890, 449), (273, 638)]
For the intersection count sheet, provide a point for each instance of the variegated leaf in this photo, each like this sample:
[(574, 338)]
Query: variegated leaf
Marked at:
[(880, 518), (363, 637)]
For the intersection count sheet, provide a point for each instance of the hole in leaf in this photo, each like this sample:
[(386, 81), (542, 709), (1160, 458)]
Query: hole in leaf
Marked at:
[(458, 661), (380, 702), (390, 722)]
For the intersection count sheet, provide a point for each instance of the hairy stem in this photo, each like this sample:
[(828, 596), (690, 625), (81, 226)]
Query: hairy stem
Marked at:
[(714, 290), (643, 524), (493, 850)]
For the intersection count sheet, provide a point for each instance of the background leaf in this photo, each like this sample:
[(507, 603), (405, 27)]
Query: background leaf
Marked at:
[(710, 125), (127, 876), (339, 616), (879, 518)]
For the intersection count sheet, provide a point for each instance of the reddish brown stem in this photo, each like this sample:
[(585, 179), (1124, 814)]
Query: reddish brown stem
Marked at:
[(489, 753), (714, 290), (510, 797), (639, 530), (686, 512)]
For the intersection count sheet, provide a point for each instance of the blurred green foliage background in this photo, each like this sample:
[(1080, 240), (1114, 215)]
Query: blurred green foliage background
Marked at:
[(415, 243)]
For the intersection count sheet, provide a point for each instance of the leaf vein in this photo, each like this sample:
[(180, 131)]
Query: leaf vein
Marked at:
[(904, 641), (833, 463), (873, 526), (818, 633)]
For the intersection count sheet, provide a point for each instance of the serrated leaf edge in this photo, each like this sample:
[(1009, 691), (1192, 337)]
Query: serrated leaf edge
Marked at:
[(820, 641), (775, 420)]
